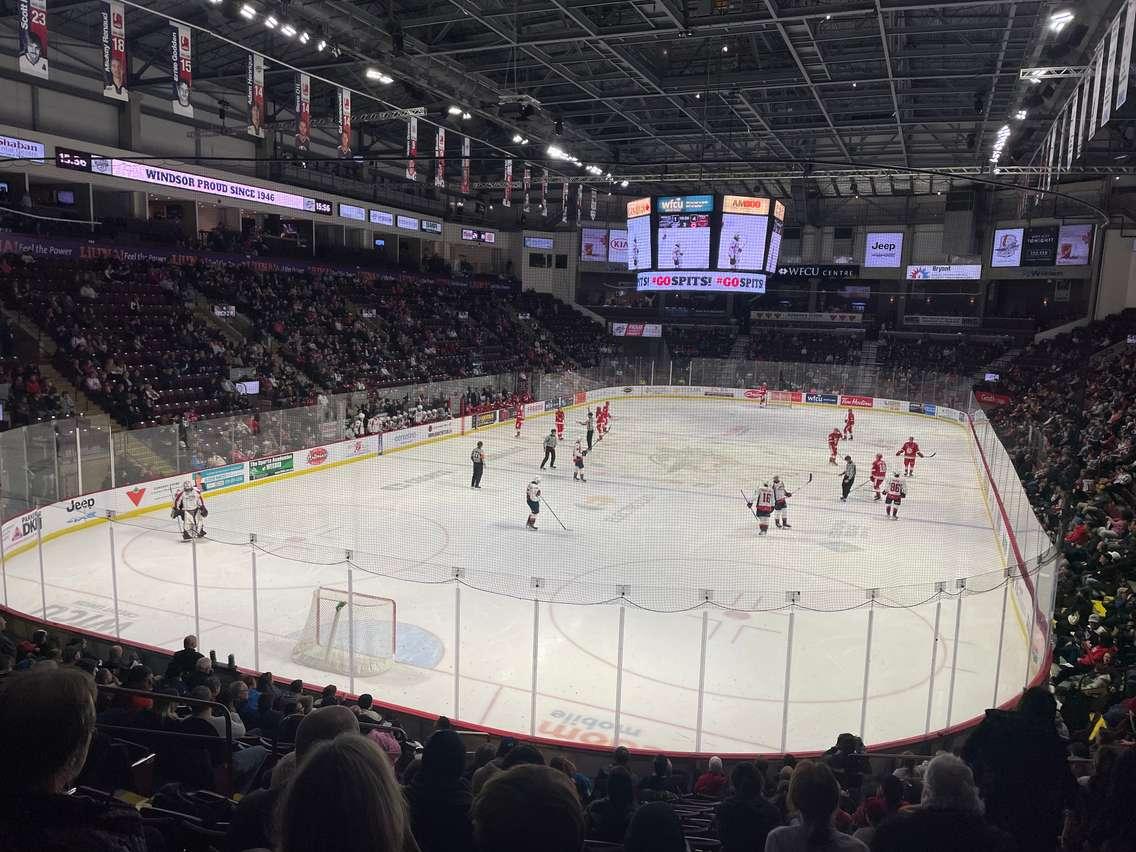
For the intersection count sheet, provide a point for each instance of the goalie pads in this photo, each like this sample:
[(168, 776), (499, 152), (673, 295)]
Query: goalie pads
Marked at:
[(176, 513), (204, 511)]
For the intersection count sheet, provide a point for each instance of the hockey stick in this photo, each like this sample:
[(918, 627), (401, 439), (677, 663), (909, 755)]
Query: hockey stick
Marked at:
[(803, 484), (749, 503), (929, 456), (553, 511)]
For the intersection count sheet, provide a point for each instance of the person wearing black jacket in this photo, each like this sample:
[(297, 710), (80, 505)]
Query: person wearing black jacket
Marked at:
[(440, 798), (745, 818), (184, 661)]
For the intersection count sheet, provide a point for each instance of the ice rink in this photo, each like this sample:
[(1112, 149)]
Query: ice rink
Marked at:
[(658, 611)]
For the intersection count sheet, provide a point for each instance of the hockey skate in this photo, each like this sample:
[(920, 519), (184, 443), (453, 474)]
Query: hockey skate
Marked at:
[(777, 523), (785, 525), (185, 535), (877, 497)]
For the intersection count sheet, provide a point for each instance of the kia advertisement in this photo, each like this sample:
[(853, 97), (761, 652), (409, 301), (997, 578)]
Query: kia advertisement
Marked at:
[(617, 247)]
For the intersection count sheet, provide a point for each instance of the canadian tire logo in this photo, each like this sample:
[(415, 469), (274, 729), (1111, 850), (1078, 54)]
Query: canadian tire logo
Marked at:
[(317, 456), (136, 495), (753, 394)]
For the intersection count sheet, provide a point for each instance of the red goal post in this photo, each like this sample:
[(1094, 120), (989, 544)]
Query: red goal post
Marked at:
[(334, 618)]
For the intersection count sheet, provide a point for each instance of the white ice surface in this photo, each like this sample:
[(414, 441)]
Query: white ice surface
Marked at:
[(661, 519)]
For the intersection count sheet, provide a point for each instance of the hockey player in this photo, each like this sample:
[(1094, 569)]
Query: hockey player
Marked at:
[(189, 509), (895, 493), (734, 251), (762, 505), (833, 443), (549, 450), (606, 417), (676, 255), (519, 420), (849, 422), (591, 424), (559, 423), (532, 497), (848, 479), (578, 453), (763, 396), (879, 473), (780, 506), (599, 422), (909, 451)]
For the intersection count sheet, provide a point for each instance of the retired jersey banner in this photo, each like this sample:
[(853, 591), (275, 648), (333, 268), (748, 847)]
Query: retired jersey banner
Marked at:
[(181, 62), (465, 166), (564, 201), (544, 192), (526, 184), (592, 209), (411, 148), (33, 37), (303, 112), (1109, 71), (1124, 66), (254, 96), (1094, 104), (440, 158), (579, 204), (114, 51), (344, 147), (507, 201)]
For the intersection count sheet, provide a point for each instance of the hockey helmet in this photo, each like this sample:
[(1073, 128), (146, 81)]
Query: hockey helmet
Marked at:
[(879, 455), (187, 486), (536, 480), (896, 474), (911, 437), (777, 479), (766, 484)]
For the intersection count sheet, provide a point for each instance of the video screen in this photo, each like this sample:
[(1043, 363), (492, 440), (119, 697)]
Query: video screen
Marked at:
[(639, 243), (684, 241), (774, 245), (593, 244), (742, 244)]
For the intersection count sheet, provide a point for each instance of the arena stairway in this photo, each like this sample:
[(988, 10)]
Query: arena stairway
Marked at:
[(739, 351)]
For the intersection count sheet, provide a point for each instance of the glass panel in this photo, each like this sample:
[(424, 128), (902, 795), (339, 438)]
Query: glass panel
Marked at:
[(901, 661), (496, 675)]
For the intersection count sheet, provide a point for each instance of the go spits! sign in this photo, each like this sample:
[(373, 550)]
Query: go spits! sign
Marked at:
[(705, 282)]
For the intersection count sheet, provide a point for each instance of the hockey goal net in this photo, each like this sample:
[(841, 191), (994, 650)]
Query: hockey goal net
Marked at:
[(334, 618)]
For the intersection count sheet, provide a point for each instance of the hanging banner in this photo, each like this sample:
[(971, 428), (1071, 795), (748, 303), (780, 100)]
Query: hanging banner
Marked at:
[(303, 112), (1094, 104), (254, 96), (579, 204), (526, 184), (440, 158), (465, 166), (1124, 67), (1070, 142), (592, 210), (344, 147), (1083, 117), (564, 201), (544, 192), (181, 64), (33, 37), (411, 148), (1109, 71), (507, 201), (114, 51)]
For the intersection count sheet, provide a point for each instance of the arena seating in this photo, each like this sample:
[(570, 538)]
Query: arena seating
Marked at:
[(962, 353), (772, 344), (692, 341)]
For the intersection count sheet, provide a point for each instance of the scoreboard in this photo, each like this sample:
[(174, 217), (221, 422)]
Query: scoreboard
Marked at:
[(715, 243)]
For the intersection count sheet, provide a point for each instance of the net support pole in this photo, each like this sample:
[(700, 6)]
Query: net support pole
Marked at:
[(872, 595), (652, 373), (690, 373), (619, 674), (350, 626), (535, 657), (78, 457), (960, 586), (794, 598), (701, 680), (39, 549), (939, 588), (255, 610), (457, 647), (114, 575), (671, 373), (196, 591)]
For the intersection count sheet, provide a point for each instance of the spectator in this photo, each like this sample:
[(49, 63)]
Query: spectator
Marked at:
[(183, 662), (661, 784), (528, 808), (814, 796), (1113, 825), (494, 766), (579, 780), (746, 817), (849, 763), (343, 796), (47, 720), (713, 782), (440, 798), (329, 696), (655, 828), (609, 817), (366, 710), (949, 819), (1023, 776), (620, 757)]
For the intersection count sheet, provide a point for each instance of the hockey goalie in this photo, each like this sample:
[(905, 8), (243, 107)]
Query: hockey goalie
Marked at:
[(189, 510)]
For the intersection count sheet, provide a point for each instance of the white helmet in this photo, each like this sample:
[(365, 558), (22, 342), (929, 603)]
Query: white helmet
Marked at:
[(536, 480), (187, 486), (777, 479)]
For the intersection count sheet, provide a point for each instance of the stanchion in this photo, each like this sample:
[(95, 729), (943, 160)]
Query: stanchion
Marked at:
[(960, 587), (619, 675), (872, 595), (939, 589), (794, 598), (535, 657), (457, 649), (196, 597), (1001, 637), (350, 627), (255, 611), (113, 573), (701, 680), (39, 548)]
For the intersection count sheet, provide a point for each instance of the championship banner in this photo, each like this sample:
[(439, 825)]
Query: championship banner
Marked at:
[(181, 67), (344, 116), (411, 148), (1083, 116), (592, 210), (1098, 62), (440, 158), (544, 192), (465, 166), (507, 201), (526, 184), (255, 95), (114, 51), (1071, 129), (33, 37), (579, 204), (303, 112), (1110, 58), (564, 201), (1124, 66)]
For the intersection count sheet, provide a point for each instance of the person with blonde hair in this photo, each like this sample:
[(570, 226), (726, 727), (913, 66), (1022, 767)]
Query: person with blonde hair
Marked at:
[(814, 796)]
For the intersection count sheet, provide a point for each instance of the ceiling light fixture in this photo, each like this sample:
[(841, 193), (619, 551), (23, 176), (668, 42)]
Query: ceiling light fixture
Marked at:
[(304, 37), (725, 48), (321, 45), (516, 138), (248, 12), (466, 116), (1059, 20), (623, 184), (999, 143), (1021, 114), (271, 22), (454, 110), (288, 31)]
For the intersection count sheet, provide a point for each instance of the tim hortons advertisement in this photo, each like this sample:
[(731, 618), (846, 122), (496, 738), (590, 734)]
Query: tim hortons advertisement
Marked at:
[(856, 401)]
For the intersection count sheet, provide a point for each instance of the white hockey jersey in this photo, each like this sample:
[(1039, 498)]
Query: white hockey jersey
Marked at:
[(189, 501), (533, 492), (779, 492), (895, 489), (763, 499)]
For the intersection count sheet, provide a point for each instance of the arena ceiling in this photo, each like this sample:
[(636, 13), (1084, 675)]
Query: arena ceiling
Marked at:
[(727, 92)]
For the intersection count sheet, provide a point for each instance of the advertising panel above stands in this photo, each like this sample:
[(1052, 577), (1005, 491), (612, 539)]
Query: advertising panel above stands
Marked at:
[(1007, 248), (828, 271), (1074, 243), (702, 281), (945, 272), (636, 329), (1039, 246), (883, 250), (593, 245), (639, 241), (479, 235), (617, 246)]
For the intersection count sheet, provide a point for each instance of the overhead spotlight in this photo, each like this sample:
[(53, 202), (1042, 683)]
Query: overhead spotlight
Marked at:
[(336, 51), (828, 17), (623, 184), (454, 110), (555, 152), (376, 74), (304, 37), (288, 31), (725, 48), (1021, 114), (558, 127), (1059, 20), (853, 84), (216, 2), (516, 137), (466, 116), (248, 12), (271, 22), (698, 96), (490, 206), (321, 45)]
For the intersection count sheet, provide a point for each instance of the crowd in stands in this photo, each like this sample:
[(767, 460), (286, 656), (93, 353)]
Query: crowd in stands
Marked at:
[(776, 344), (693, 341), (960, 353)]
